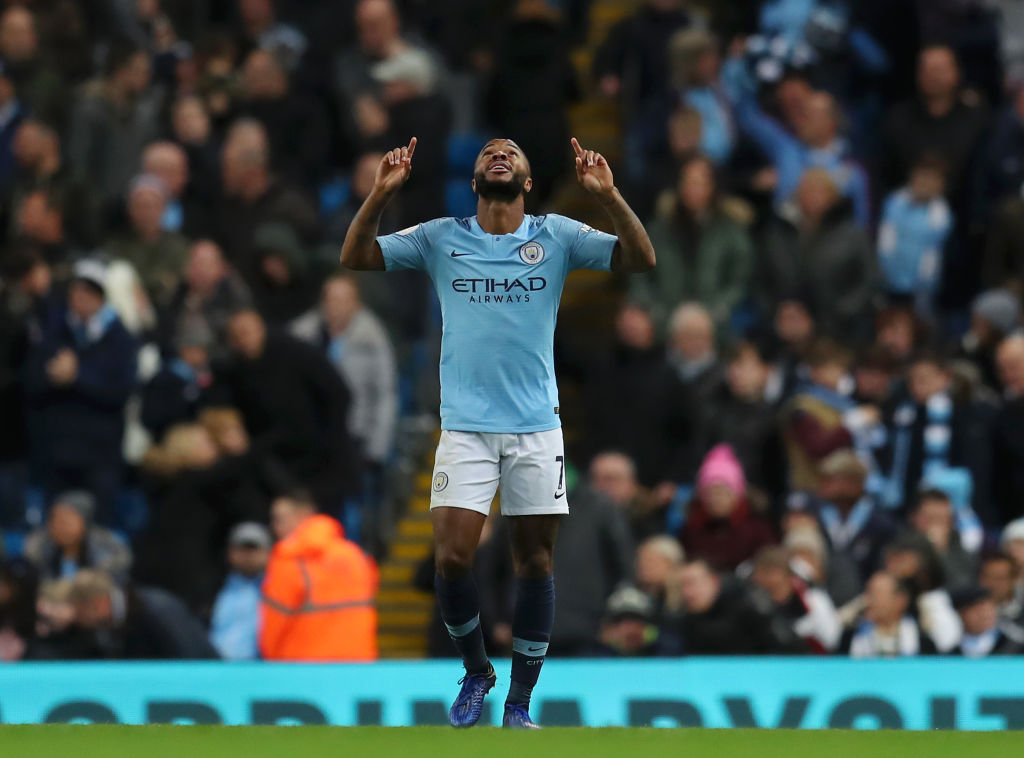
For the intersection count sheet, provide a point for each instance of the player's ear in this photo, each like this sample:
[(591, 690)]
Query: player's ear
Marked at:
[(528, 184), (472, 183)]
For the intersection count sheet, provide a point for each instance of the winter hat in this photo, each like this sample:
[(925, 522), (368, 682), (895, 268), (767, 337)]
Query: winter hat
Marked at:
[(91, 272), (999, 307), (965, 597), (78, 500), (721, 467), (629, 602), (250, 534), (1011, 532)]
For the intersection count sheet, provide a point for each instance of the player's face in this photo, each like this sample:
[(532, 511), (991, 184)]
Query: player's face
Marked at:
[(502, 172)]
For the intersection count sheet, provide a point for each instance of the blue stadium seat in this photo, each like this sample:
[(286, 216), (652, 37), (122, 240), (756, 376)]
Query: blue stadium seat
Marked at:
[(14, 544), (459, 200), (463, 149), (333, 194)]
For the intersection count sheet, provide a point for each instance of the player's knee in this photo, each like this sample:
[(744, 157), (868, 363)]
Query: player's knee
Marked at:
[(536, 564), (453, 561)]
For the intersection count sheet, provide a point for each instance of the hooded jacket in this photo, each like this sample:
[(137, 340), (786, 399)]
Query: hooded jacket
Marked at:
[(318, 597)]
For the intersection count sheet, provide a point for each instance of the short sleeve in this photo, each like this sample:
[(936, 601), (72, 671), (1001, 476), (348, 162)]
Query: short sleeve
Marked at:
[(406, 249), (588, 248)]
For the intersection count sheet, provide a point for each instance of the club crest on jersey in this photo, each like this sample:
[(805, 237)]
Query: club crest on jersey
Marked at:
[(531, 253), (440, 481)]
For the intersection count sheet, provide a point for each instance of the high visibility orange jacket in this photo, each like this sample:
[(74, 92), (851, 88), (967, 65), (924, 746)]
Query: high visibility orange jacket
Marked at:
[(318, 597)]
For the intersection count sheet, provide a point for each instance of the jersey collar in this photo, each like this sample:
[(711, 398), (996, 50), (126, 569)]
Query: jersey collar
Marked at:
[(523, 232)]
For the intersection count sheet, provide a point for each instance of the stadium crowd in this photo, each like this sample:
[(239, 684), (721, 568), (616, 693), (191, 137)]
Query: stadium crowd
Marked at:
[(802, 433)]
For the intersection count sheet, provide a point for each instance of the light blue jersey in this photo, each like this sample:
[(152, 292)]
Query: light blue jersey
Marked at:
[(499, 300)]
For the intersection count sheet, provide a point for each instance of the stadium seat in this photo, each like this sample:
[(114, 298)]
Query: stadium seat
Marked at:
[(463, 149), (14, 544), (332, 194), (459, 200)]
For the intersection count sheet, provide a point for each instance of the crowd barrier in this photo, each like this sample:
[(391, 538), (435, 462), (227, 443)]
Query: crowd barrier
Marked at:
[(738, 692)]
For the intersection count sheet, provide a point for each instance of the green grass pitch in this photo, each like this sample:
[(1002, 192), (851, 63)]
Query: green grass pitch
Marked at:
[(370, 742)]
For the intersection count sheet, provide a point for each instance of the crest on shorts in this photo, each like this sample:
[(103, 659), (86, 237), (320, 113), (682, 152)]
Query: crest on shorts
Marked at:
[(440, 481), (531, 253)]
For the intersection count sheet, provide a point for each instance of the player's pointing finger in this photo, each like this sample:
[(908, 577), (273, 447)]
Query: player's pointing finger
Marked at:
[(412, 146), (576, 147)]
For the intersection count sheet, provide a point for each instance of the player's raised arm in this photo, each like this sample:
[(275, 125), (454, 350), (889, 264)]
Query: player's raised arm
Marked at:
[(634, 251), (361, 251)]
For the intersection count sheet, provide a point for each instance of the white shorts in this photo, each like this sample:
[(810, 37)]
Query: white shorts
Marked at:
[(530, 468)]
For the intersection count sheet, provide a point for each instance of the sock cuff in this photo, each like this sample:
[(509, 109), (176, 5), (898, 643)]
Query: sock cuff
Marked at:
[(461, 630)]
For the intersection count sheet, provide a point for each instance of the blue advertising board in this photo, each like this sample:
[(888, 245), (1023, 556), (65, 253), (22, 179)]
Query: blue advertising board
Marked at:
[(767, 692)]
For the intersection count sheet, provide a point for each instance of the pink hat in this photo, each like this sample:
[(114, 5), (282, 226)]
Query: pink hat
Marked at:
[(721, 467)]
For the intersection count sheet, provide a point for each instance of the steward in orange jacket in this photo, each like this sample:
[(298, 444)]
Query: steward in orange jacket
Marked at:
[(318, 593)]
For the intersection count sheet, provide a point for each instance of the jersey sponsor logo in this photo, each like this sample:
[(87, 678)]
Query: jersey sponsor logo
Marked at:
[(488, 286), (532, 253), (440, 481), (407, 231)]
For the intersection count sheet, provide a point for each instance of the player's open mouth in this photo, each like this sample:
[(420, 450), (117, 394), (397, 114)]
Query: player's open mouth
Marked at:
[(500, 168)]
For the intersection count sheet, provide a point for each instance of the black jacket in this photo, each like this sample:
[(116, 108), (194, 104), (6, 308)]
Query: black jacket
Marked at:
[(156, 626)]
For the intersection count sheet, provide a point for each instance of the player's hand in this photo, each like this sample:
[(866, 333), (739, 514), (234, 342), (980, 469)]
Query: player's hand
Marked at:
[(593, 171), (394, 168)]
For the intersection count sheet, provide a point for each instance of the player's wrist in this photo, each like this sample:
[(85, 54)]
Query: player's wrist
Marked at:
[(608, 197)]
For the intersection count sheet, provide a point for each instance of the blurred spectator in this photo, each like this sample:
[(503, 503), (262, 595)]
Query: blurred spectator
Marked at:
[(18, 583), (1012, 541), (722, 617), (358, 346), (704, 256), (794, 332), (856, 529), (174, 394), (939, 121), (262, 30), (593, 557), (156, 254), (193, 131), (197, 489), (656, 558), (13, 113), (823, 253), (810, 610), (113, 118), (691, 352), (253, 196), (1000, 575), (295, 122), (613, 475), (71, 542), (972, 29), (319, 591), (186, 209), (901, 333), (234, 623), (916, 222), (995, 314), (836, 574), (38, 85), (695, 64), (887, 631), (294, 404), (136, 622), (814, 144), (985, 633), (912, 560), (1001, 261), (628, 629), (1008, 446), (720, 528), (81, 371), (815, 418), (284, 286), (632, 65), (533, 48), (742, 418), (934, 518), (1001, 167), (636, 402), (41, 167), (935, 430), (39, 219), (210, 292)]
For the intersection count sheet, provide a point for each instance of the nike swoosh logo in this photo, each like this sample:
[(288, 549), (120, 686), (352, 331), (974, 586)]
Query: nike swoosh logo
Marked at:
[(557, 496), (459, 255), (534, 649)]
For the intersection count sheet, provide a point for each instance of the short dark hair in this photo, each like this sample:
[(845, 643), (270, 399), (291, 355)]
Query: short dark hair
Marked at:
[(825, 351), (120, 55), (930, 357), (931, 162), (931, 493), (997, 556), (300, 497)]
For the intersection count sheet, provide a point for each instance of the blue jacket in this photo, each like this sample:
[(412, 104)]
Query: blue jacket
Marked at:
[(80, 425), (235, 622), (718, 133), (911, 237)]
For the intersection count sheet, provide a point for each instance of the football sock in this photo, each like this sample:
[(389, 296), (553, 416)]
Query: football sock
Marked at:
[(531, 633), (460, 610)]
